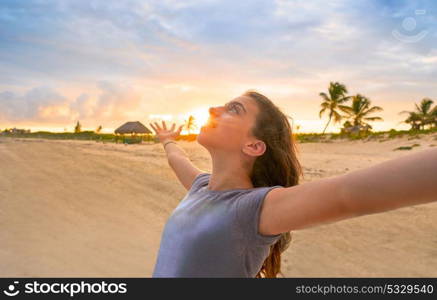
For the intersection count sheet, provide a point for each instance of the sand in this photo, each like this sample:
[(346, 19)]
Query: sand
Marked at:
[(87, 209)]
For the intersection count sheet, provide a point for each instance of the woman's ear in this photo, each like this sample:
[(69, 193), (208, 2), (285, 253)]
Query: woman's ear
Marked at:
[(255, 148)]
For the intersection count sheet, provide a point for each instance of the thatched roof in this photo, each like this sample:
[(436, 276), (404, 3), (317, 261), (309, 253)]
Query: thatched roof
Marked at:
[(132, 127)]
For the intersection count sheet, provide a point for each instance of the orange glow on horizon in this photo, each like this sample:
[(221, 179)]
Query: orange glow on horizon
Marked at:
[(200, 118), (200, 114)]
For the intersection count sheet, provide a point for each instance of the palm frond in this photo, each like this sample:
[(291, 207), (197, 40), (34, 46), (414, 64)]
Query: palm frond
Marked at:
[(374, 109), (337, 117), (325, 105), (325, 97), (374, 119), (344, 99), (345, 108), (405, 112), (321, 112)]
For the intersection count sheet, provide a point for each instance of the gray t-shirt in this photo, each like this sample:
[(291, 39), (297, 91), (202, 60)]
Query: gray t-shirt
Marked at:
[(214, 234)]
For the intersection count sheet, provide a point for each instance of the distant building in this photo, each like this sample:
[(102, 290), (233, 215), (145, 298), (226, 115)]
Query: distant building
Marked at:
[(132, 128), (16, 131), (357, 129), (137, 132)]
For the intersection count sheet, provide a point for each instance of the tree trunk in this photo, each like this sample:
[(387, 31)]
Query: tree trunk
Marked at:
[(330, 116)]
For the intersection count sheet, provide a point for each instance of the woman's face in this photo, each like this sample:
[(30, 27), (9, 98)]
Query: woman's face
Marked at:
[(229, 126)]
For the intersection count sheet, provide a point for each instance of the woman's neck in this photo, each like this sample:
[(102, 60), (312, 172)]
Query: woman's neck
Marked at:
[(229, 175)]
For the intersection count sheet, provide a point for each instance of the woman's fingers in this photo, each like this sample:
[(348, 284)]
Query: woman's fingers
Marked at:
[(157, 126), (152, 127)]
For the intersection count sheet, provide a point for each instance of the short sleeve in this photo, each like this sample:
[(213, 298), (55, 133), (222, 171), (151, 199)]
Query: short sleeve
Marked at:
[(248, 211), (199, 181)]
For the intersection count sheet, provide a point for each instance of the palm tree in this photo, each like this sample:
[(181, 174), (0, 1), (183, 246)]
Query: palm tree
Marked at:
[(423, 115), (77, 128), (413, 119), (337, 95), (431, 116), (359, 111), (434, 117), (190, 124)]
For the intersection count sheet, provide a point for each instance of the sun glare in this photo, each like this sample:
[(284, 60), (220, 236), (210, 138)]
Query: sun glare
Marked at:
[(200, 115)]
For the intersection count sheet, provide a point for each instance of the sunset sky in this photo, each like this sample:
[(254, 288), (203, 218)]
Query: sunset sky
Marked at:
[(109, 62)]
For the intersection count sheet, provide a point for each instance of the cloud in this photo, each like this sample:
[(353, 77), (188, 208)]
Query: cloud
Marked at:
[(34, 104), (114, 60), (130, 39), (83, 107)]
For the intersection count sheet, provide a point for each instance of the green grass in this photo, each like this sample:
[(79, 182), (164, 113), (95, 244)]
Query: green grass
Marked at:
[(380, 136), (92, 136), (403, 148), (406, 147), (85, 135)]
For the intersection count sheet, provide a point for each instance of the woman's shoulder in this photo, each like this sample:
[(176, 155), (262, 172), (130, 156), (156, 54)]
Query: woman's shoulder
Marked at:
[(248, 208), (199, 181)]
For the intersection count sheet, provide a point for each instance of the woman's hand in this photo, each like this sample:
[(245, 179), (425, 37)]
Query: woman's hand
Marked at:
[(165, 134)]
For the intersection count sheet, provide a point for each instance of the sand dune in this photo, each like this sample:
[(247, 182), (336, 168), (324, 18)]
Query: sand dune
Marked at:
[(85, 209)]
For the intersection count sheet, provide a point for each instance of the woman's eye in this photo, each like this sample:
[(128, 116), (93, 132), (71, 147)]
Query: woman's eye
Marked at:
[(233, 107)]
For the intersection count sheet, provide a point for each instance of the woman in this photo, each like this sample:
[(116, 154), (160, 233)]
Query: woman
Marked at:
[(236, 221)]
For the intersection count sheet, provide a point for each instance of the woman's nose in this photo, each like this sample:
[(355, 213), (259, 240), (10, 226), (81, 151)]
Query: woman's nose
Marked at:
[(213, 111)]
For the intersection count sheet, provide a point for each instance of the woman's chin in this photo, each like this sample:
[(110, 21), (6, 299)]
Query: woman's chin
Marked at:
[(202, 137), (206, 127), (204, 132)]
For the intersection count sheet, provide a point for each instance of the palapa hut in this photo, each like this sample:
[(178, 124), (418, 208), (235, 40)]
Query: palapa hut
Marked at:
[(133, 129), (357, 129)]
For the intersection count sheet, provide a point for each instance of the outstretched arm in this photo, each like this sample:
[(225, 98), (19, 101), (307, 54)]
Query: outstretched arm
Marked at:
[(178, 160), (408, 180)]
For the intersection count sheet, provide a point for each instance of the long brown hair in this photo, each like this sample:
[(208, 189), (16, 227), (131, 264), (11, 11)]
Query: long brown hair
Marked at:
[(277, 166)]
